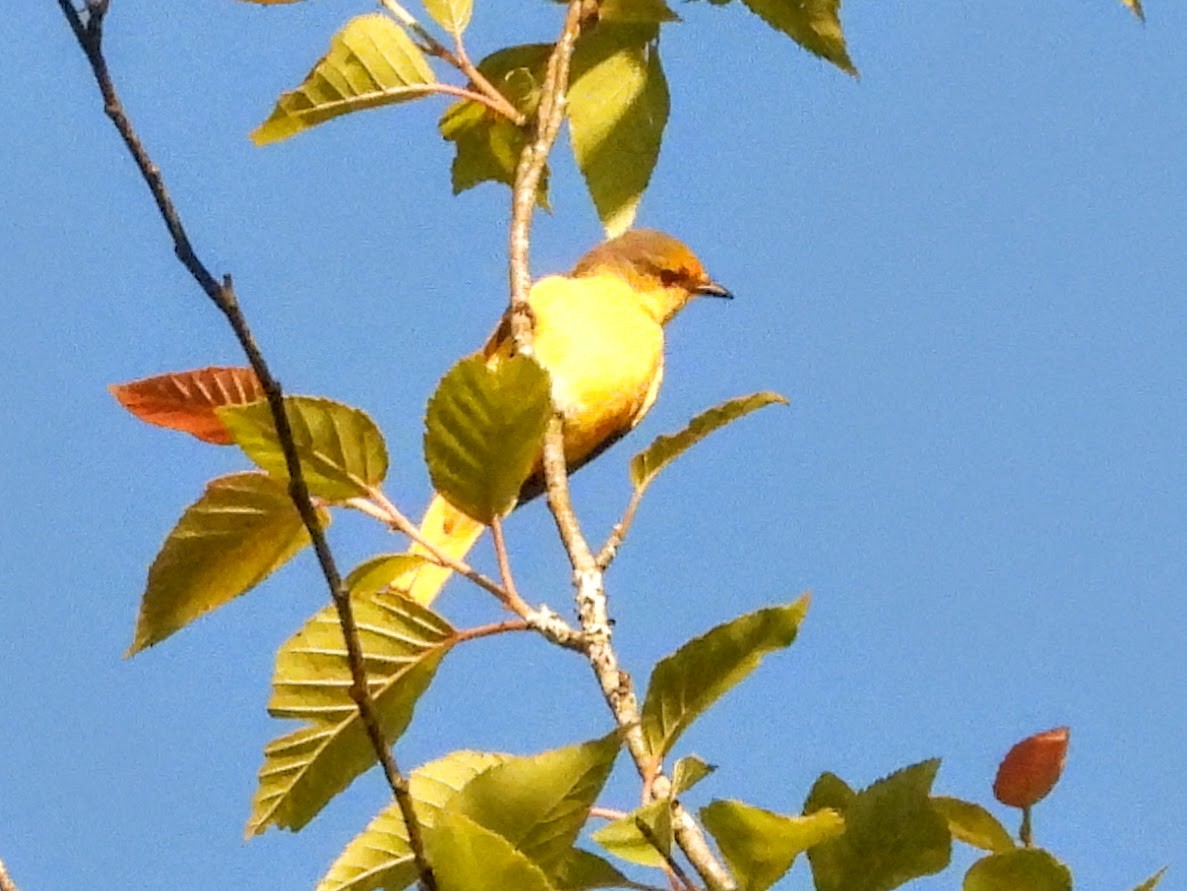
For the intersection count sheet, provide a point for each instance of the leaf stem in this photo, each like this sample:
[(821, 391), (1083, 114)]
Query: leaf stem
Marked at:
[(89, 34)]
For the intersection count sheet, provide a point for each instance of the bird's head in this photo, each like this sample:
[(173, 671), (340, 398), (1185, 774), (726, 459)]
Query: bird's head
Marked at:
[(664, 273)]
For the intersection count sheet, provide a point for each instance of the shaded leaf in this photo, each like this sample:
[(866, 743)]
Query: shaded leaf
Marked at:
[(341, 450), (686, 683), (470, 857), (242, 529), (581, 870), (371, 62), (646, 465), (636, 12), (402, 644), (893, 833), (813, 24), (452, 15), (186, 400), (1151, 883), (618, 107), (623, 839), (687, 772), (484, 430), (379, 572), (539, 803), (760, 846), (973, 825), (1031, 768), (829, 790), (1030, 868), (380, 856), (488, 145)]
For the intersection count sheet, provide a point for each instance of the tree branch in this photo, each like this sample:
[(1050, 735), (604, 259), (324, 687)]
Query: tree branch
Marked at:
[(89, 34)]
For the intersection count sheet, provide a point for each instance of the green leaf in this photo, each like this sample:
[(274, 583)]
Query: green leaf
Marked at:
[(488, 145), (636, 12), (341, 450), (243, 528), (623, 839), (1135, 7), (686, 683), (813, 24), (371, 62), (646, 465), (470, 857), (452, 15), (1030, 868), (893, 832), (829, 790), (973, 825), (379, 572), (687, 772), (1151, 883), (760, 846), (581, 871), (539, 803), (380, 856), (618, 107), (484, 431), (402, 644)]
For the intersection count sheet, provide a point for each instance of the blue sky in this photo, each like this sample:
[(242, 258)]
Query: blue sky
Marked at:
[(965, 270)]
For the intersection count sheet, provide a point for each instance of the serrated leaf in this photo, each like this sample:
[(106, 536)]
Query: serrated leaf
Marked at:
[(583, 871), (1151, 883), (377, 573), (893, 833), (684, 684), (470, 857), (623, 839), (1030, 868), (636, 12), (973, 825), (1135, 6), (380, 856), (402, 644), (813, 24), (186, 400), (539, 803), (372, 62), (452, 15), (829, 791), (484, 431), (687, 772), (618, 106), (488, 145), (646, 465), (241, 530), (760, 846), (341, 450)]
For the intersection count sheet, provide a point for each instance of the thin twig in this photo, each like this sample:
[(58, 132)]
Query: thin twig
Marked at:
[(606, 813), (492, 629), (674, 868), (618, 534), (514, 602), (90, 38), (6, 882)]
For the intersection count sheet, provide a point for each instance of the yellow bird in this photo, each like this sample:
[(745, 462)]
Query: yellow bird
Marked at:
[(599, 333)]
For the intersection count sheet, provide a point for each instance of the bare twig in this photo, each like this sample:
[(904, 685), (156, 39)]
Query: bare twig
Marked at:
[(492, 629), (89, 33), (618, 534), (514, 602), (6, 882)]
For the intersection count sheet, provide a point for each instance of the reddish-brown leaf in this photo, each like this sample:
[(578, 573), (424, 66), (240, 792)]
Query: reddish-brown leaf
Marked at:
[(186, 400), (1031, 769)]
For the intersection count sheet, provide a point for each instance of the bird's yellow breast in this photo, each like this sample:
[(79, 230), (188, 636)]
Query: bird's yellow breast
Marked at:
[(604, 352)]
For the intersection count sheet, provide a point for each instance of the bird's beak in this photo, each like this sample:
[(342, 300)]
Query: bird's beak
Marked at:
[(712, 289)]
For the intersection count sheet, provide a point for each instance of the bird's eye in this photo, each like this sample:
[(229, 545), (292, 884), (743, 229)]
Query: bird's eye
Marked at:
[(670, 277)]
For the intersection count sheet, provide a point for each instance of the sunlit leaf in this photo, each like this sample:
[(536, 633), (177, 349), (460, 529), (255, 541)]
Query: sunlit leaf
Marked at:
[(623, 839), (341, 450), (582, 871), (539, 803), (893, 832), (636, 12), (452, 15), (684, 684), (813, 24), (488, 144), (618, 107), (371, 62), (484, 430), (402, 644), (1151, 883), (759, 845), (470, 857), (379, 572), (242, 528), (646, 465), (973, 825), (380, 856), (687, 772), (186, 400), (1031, 768), (1030, 868)]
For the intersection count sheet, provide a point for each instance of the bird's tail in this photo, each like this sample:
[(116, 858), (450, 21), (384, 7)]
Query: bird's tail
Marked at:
[(451, 532)]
